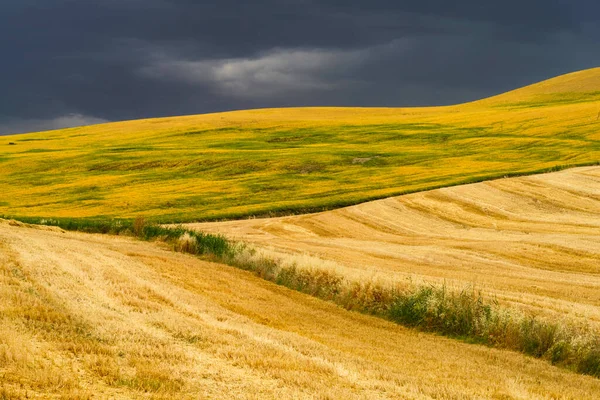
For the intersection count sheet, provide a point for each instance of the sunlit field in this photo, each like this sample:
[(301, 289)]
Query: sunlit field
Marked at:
[(94, 316), (265, 162)]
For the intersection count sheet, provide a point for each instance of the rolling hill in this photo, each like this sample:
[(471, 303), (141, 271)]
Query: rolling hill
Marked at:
[(96, 315), (273, 161)]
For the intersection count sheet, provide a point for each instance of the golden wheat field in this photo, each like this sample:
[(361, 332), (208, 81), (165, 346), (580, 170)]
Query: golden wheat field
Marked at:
[(531, 242), (94, 316), (236, 164)]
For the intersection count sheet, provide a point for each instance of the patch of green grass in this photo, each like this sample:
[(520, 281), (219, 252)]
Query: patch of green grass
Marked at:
[(38, 151), (28, 139)]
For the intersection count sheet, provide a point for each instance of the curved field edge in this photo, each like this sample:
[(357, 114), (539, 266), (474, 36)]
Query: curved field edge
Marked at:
[(530, 241), (106, 224), (279, 161), (466, 315)]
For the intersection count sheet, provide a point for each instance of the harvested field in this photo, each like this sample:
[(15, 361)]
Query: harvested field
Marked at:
[(532, 242), (90, 316)]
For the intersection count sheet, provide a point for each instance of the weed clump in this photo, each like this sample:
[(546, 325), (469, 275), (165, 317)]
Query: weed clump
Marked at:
[(463, 314), (138, 226)]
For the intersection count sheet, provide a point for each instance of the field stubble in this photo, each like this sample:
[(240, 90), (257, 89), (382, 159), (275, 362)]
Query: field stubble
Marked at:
[(87, 315)]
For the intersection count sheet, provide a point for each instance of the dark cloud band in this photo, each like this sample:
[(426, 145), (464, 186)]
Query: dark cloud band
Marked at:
[(121, 59)]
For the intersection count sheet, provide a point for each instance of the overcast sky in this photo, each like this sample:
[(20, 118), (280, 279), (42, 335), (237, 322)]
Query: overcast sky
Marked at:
[(75, 62)]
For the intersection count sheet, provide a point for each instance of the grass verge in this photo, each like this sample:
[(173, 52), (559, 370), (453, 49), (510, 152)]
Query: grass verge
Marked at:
[(183, 240), (467, 315)]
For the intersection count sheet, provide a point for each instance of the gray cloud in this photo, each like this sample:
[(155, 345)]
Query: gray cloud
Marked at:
[(123, 59), (280, 72), (35, 125)]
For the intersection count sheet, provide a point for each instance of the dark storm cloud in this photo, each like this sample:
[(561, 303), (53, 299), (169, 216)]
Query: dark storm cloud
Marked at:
[(69, 62)]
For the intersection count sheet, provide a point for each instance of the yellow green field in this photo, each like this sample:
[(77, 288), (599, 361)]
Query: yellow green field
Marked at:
[(291, 160)]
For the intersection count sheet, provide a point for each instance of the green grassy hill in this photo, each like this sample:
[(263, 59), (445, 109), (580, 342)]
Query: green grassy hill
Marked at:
[(300, 159)]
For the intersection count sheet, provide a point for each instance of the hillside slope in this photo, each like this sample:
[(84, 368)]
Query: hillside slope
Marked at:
[(280, 160), (577, 86), (85, 316), (532, 242)]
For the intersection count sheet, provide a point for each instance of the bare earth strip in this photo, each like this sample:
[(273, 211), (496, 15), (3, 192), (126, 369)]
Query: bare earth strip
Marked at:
[(85, 316), (533, 242)]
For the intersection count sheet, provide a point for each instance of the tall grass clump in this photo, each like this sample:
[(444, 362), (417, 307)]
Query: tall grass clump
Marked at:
[(184, 240), (463, 314)]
